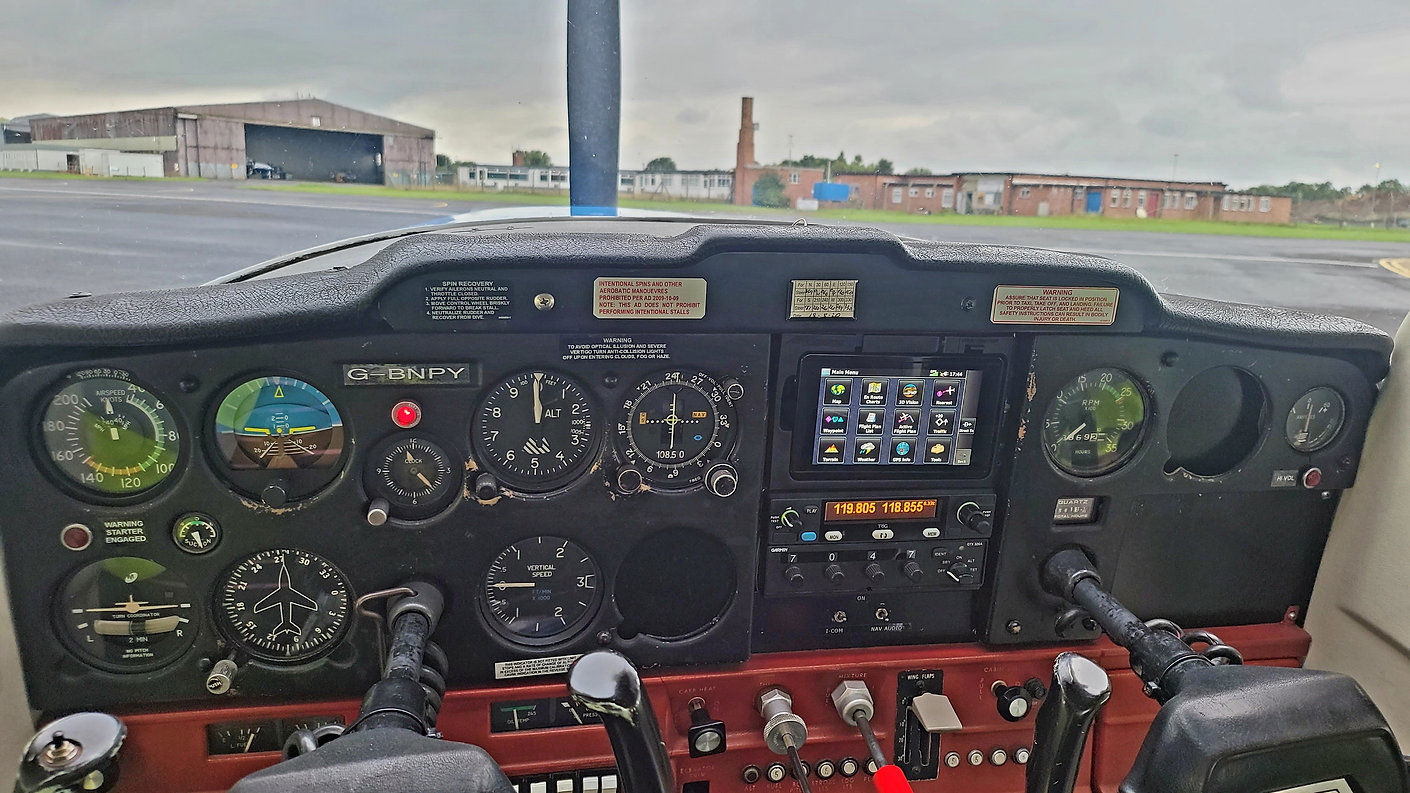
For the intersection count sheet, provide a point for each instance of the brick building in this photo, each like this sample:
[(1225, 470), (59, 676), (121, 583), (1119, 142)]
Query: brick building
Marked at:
[(1009, 192)]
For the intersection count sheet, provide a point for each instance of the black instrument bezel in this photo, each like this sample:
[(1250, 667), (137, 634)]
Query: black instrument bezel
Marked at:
[(39, 450), (304, 483)]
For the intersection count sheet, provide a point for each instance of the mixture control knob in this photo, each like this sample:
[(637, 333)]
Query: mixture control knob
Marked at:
[(722, 480), (912, 570), (1014, 702), (793, 574), (874, 573), (973, 517), (835, 573), (629, 480)]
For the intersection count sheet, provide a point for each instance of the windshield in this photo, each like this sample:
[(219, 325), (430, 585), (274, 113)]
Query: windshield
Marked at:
[(1252, 152)]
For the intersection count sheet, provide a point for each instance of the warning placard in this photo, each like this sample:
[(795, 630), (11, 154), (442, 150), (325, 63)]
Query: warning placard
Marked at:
[(533, 667), (648, 298), (454, 299), (1054, 305)]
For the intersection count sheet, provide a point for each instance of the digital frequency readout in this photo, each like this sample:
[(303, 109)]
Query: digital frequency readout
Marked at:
[(897, 509)]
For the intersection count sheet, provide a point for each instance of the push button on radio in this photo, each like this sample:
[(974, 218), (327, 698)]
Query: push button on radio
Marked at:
[(882, 534)]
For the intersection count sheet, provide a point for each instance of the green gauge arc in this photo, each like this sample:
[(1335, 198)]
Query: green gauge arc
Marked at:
[(1096, 422), (108, 437)]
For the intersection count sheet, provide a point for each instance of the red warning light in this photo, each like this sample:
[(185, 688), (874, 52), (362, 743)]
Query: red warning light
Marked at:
[(406, 414)]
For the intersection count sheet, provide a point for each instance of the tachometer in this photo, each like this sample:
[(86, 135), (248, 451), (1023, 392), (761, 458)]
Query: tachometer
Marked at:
[(1094, 424), (108, 435), (536, 431), (539, 589), (126, 614), (284, 605), (278, 438), (673, 425)]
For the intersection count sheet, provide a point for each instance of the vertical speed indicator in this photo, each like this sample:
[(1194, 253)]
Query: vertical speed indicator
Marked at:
[(540, 589)]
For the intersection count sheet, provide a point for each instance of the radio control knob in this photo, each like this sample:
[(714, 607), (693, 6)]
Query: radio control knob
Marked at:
[(874, 573), (835, 573), (789, 518), (722, 480), (912, 570), (793, 574), (974, 519)]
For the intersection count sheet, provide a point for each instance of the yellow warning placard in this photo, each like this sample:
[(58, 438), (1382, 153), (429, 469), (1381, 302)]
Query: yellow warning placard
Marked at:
[(648, 298), (1054, 305)]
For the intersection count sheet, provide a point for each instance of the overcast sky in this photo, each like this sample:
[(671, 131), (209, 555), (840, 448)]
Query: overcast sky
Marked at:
[(1242, 91)]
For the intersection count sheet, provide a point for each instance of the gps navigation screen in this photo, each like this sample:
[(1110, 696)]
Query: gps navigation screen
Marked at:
[(896, 418)]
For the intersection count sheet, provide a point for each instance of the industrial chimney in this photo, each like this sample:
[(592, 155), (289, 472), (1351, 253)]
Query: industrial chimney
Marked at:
[(744, 151)]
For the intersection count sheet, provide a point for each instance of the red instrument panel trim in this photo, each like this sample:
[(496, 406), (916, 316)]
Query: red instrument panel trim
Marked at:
[(166, 751)]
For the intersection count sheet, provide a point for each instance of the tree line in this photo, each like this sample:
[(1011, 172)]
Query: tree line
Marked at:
[(1326, 191)]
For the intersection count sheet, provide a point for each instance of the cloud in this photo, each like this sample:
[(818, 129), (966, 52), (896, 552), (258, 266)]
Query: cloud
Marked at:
[(1245, 92)]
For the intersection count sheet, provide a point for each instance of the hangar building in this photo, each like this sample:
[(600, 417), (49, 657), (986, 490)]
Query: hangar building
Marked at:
[(307, 139)]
